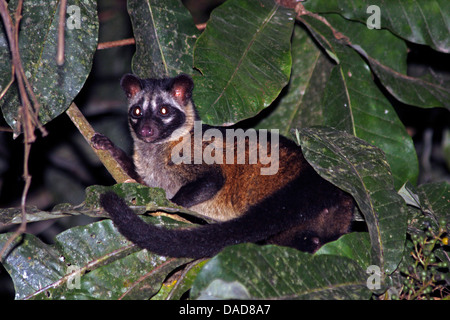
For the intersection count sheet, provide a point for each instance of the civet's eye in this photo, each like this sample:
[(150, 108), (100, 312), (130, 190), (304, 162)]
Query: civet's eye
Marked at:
[(164, 110), (136, 112)]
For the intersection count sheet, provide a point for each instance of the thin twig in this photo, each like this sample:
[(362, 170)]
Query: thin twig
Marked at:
[(61, 27), (28, 119), (23, 224), (117, 43), (25, 89), (11, 30), (9, 83), (301, 11), (24, 114), (145, 276), (27, 178)]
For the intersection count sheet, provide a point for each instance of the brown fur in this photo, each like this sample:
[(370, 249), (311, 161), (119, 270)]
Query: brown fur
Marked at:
[(244, 184)]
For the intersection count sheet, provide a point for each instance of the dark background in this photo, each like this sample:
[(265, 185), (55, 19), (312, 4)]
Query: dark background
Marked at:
[(62, 164)]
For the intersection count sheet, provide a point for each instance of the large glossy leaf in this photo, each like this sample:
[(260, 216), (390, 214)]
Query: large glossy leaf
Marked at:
[(165, 35), (432, 200), (249, 271), (87, 262), (176, 289), (352, 102), (361, 170), (374, 42), (111, 267), (55, 86), (390, 65), (355, 246), (299, 104), (420, 92), (436, 198), (140, 197), (423, 22), (244, 58), (403, 17)]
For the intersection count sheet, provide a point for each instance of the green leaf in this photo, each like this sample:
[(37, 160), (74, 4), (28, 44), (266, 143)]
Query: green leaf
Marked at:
[(390, 65), (436, 198), (140, 197), (13, 215), (299, 103), (165, 36), (361, 170), (55, 86), (424, 93), (248, 271), (106, 265), (431, 203), (244, 58), (410, 197), (355, 246), (423, 22), (352, 102), (111, 267), (30, 275), (431, 200)]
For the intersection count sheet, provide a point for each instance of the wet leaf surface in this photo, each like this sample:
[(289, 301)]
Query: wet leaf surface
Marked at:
[(55, 86)]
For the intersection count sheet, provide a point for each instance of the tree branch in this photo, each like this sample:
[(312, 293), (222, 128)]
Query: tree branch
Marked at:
[(88, 132)]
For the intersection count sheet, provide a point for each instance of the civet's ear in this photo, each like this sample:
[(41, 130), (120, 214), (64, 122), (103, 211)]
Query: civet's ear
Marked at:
[(131, 84), (181, 88)]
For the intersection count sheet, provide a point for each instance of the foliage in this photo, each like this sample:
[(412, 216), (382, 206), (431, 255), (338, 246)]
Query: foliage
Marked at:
[(313, 70), (55, 86)]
